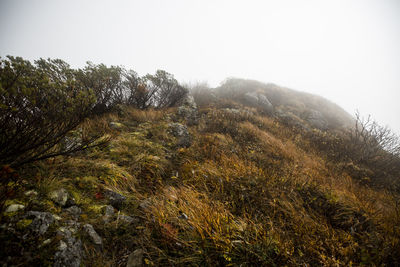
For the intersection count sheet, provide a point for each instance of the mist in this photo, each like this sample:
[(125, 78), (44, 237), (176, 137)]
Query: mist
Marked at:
[(345, 51)]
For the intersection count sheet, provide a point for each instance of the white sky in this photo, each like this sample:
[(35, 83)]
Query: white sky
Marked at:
[(345, 50)]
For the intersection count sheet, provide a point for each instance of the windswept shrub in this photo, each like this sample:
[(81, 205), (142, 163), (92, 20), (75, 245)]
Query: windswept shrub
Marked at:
[(39, 105), (106, 84), (168, 92), (368, 151)]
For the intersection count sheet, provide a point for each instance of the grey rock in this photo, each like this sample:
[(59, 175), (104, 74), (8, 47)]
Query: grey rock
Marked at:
[(135, 259), (258, 100), (108, 214), (69, 251), (317, 120), (96, 239), (127, 219), (181, 132), (75, 211), (41, 221), (31, 193), (115, 199), (14, 208), (72, 226), (188, 111), (62, 198)]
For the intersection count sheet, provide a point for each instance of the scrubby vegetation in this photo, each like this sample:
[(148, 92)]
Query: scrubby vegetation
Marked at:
[(250, 189)]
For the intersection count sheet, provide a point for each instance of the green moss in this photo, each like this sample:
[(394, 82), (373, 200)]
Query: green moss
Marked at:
[(22, 224)]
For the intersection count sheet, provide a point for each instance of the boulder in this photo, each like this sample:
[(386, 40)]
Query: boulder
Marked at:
[(259, 100), (181, 132)]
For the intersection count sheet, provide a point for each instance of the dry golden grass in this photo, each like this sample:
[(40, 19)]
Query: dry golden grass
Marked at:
[(249, 191), (149, 115)]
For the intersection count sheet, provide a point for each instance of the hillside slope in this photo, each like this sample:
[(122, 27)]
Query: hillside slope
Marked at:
[(223, 184)]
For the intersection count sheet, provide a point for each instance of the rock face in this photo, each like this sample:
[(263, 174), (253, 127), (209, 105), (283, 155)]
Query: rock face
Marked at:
[(316, 119), (135, 259), (41, 221), (258, 100), (96, 239), (181, 132), (62, 198), (188, 111), (115, 199)]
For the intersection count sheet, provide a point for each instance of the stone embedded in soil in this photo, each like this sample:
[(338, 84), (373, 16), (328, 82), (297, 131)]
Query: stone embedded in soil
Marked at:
[(62, 198), (135, 259), (41, 221), (116, 200), (14, 208), (69, 251), (94, 236)]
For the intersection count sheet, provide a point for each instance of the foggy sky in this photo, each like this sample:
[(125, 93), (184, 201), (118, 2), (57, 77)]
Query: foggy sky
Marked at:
[(347, 51)]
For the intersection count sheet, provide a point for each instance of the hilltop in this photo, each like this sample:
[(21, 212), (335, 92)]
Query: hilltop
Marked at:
[(246, 174)]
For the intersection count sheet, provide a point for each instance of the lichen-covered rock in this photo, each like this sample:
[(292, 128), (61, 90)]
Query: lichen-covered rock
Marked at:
[(14, 208), (126, 219), (188, 111), (108, 214), (316, 119), (70, 251), (115, 199), (135, 259), (74, 211), (258, 100), (62, 198), (31, 193), (181, 132), (40, 221), (94, 236)]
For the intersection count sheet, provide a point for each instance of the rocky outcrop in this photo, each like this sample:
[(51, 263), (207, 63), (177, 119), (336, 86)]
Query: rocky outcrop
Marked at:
[(258, 100), (187, 111), (316, 119), (181, 132)]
